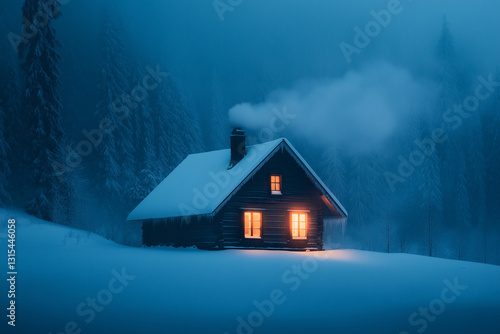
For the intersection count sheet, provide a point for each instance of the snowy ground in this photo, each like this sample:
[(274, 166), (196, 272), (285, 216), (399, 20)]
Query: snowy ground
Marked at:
[(71, 281)]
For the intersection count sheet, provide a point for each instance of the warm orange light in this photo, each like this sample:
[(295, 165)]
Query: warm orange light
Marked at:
[(276, 183), (299, 225), (253, 224)]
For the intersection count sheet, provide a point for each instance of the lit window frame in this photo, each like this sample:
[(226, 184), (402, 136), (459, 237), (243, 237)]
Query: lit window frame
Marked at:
[(298, 225), (276, 184), (250, 220)]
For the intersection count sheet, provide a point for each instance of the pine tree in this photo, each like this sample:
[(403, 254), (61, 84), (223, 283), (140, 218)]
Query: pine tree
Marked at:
[(115, 168), (11, 95), (145, 159), (411, 215), (449, 79), (475, 166), (334, 171), (491, 142), (11, 149), (365, 196), (462, 207), (169, 142), (178, 127), (431, 204), (43, 108), (191, 133)]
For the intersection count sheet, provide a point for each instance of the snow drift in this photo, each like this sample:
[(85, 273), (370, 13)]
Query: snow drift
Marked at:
[(71, 279)]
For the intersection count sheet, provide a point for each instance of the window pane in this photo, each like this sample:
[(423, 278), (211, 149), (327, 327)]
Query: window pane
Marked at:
[(248, 224), (256, 224), (247, 219), (276, 182), (302, 233), (253, 224), (299, 225)]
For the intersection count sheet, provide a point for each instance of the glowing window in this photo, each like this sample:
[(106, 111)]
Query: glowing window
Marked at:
[(253, 224), (299, 225), (276, 184)]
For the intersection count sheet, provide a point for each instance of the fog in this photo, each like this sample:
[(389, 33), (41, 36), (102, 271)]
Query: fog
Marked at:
[(358, 111), (360, 81), (263, 46)]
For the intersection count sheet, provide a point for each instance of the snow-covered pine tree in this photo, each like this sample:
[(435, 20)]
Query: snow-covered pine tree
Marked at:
[(190, 121), (43, 108), (475, 173), (169, 143), (178, 127), (14, 131), (334, 175), (364, 197), (334, 170), (431, 203), (144, 135), (449, 79), (475, 164), (115, 168), (11, 151), (410, 215), (219, 125), (491, 140), (462, 207), (357, 195)]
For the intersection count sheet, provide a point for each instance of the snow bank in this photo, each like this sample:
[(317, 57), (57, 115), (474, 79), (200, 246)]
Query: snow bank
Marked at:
[(74, 279)]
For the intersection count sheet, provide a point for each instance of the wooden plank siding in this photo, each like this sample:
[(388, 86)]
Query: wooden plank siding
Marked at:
[(298, 193), (201, 232)]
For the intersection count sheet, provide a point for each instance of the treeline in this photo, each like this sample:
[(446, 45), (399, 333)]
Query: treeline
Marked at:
[(435, 190), (92, 178)]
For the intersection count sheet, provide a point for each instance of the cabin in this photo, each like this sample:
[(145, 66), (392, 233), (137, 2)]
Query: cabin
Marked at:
[(262, 196)]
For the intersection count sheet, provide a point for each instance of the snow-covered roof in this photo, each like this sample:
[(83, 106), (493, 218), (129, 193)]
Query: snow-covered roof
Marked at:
[(202, 184)]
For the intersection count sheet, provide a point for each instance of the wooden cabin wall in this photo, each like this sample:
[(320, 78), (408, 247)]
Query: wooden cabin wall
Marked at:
[(201, 232), (298, 193)]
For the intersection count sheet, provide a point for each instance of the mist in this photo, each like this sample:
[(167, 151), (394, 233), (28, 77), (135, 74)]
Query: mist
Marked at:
[(352, 118)]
